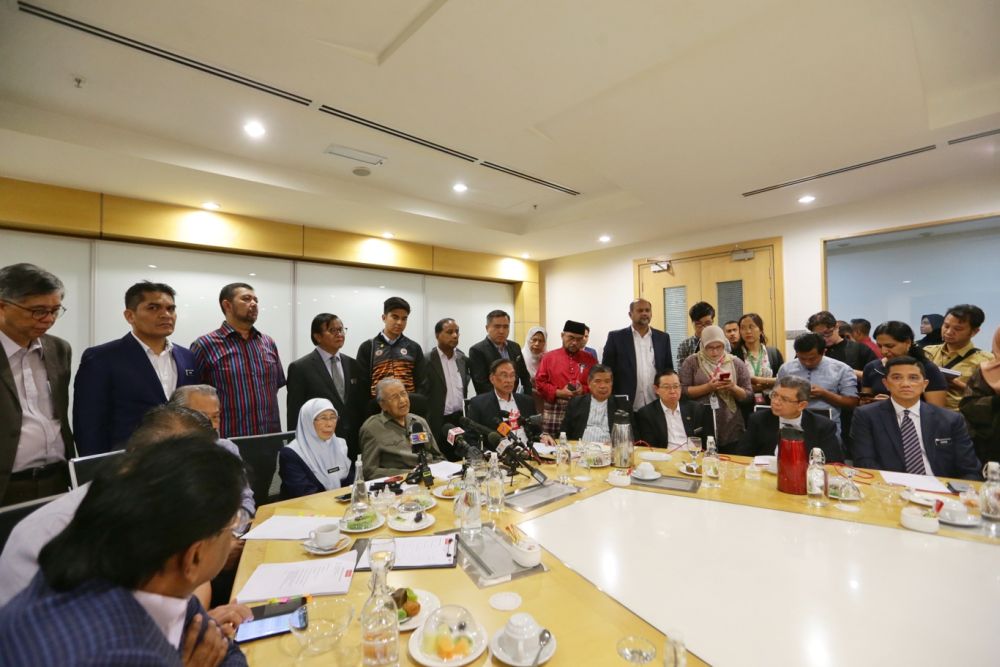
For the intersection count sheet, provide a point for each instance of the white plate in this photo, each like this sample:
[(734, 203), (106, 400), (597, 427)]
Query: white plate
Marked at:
[(379, 520), (498, 652), (411, 527), (428, 603), (654, 456), (416, 639), (432, 501), (918, 498), (437, 493), (969, 521), (311, 547), (682, 469), (655, 475)]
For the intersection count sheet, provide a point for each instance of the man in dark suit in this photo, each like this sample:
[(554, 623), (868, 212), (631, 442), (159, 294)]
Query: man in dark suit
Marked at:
[(669, 421), (904, 434), (593, 414), (488, 409), (328, 373), (119, 592), (35, 438), (789, 401), (446, 383), (496, 346), (117, 382), (636, 354)]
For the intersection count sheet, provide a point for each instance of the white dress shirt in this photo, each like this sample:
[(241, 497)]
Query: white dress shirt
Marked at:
[(454, 400), (41, 439), (676, 434), (163, 364), (645, 368), (511, 407), (915, 418), (794, 423), (167, 612), (597, 422)]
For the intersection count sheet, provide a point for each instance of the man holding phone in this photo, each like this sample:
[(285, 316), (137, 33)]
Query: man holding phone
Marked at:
[(562, 374)]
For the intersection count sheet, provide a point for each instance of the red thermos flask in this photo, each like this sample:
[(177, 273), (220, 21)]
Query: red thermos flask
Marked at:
[(792, 461)]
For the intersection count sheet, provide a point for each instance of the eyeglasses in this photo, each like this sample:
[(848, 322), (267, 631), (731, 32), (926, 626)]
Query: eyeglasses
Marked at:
[(326, 418), (670, 387), (240, 523), (41, 313), (337, 330)]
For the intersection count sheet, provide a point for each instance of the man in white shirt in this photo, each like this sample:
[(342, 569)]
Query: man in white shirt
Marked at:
[(445, 383), (591, 416), (636, 354), (117, 382), (671, 420)]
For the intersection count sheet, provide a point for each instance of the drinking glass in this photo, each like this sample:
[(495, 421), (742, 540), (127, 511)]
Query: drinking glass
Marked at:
[(674, 651), (694, 448), (636, 650), (319, 625), (381, 553)]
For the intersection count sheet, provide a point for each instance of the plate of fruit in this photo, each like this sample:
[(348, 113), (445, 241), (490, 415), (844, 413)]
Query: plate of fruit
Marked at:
[(449, 637), (414, 606)]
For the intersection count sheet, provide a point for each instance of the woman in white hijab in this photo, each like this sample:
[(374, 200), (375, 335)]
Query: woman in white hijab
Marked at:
[(317, 459), (534, 348)]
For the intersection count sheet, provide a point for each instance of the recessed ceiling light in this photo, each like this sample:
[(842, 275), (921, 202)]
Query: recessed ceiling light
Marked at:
[(387, 235), (525, 255), (603, 238), (806, 199), (381, 286), (255, 129), (460, 187), (907, 282), (253, 274), (152, 266), (210, 206)]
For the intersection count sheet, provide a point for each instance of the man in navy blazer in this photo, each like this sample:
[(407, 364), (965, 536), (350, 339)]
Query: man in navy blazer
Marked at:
[(117, 382), (488, 408), (312, 376), (445, 383), (653, 422), (599, 402), (905, 434), (789, 401), (636, 354)]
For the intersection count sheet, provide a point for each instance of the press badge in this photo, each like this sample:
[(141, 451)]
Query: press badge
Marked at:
[(330, 471), (942, 442)]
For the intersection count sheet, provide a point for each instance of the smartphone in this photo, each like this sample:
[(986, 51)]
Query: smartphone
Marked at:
[(725, 376), (264, 627), (958, 487), (346, 498)]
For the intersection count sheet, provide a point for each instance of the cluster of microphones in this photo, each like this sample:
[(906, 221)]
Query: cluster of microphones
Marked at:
[(507, 437)]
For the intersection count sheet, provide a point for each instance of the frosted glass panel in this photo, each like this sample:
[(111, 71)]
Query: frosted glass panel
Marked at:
[(467, 302), (197, 277), (356, 296)]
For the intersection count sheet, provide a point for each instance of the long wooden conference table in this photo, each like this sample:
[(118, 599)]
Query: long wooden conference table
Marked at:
[(745, 574)]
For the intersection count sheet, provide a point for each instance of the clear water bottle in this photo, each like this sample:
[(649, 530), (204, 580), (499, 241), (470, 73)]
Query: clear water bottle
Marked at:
[(359, 493), (470, 507), (380, 620), (494, 489), (816, 479), (710, 477), (989, 492), (564, 458)]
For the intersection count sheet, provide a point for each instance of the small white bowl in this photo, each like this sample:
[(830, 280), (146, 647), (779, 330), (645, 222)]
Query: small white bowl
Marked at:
[(914, 519), (526, 553)]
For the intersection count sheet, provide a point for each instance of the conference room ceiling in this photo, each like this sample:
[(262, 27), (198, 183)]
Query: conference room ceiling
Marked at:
[(660, 114)]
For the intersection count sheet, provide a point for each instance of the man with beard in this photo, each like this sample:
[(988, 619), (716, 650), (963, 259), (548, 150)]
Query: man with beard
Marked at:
[(243, 365), (562, 375), (636, 354)]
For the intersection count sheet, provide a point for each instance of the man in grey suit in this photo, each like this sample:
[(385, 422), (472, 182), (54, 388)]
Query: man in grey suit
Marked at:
[(496, 346), (328, 373), (904, 434), (35, 438), (446, 383)]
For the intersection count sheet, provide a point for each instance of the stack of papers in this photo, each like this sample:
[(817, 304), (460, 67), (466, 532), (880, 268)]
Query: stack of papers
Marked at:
[(289, 527), (414, 553), (329, 576), (445, 469), (919, 482)]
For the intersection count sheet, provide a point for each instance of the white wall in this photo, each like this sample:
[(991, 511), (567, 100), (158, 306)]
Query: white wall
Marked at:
[(597, 287)]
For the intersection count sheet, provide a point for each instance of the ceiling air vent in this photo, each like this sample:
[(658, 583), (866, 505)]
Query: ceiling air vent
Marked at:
[(978, 135), (539, 181)]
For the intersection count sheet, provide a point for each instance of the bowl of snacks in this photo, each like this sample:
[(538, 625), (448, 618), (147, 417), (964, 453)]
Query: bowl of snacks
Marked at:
[(361, 520), (449, 636)]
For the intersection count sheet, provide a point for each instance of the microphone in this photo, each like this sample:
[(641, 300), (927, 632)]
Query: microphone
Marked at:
[(476, 427), (418, 436), (511, 452), (463, 449)]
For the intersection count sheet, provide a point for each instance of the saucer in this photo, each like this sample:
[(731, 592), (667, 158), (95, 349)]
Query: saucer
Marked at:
[(417, 638), (654, 456), (438, 492), (499, 653), (425, 504), (406, 527), (918, 498), (643, 478), (379, 520), (682, 468), (969, 521), (311, 547)]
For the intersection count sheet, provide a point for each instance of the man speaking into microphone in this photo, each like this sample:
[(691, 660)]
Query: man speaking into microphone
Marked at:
[(502, 404), (386, 447)]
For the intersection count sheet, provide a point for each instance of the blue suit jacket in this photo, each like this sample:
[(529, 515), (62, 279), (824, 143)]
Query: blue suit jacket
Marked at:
[(878, 442), (619, 355), (298, 480), (96, 623), (115, 385)]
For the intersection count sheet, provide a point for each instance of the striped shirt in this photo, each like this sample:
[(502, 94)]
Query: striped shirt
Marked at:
[(247, 373)]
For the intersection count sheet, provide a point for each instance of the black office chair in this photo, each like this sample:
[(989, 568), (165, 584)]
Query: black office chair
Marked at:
[(83, 469), (260, 455), (11, 515)]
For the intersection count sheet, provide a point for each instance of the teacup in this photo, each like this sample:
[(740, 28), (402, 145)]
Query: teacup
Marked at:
[(519, 638), (645, 469), (954, 511), (325, 536)]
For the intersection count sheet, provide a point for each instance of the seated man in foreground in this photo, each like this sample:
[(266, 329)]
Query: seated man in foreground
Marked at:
[(789, 401), (501, 403), (670, 421), (904, 434), (385, 438), (116, 585)]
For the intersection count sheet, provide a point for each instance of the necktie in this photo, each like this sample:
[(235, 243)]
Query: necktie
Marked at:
[(912, 456), (338, 377)]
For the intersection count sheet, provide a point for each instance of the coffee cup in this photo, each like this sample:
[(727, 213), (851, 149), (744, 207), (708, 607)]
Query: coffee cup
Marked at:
[(519, 639), (645, 469), (326, 536), (954, 511)]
